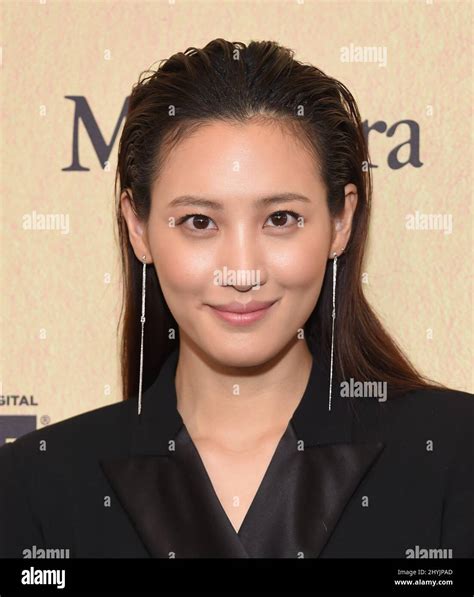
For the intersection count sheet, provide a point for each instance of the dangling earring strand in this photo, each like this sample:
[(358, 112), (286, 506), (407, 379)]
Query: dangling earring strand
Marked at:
[(142, 320), (333, 316)]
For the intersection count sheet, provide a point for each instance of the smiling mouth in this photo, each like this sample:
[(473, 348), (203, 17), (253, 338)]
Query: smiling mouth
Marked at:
[(249, 307), (242, 317)]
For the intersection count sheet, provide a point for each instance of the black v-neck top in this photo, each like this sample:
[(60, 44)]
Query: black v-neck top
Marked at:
[(369, 478), (265, 525)]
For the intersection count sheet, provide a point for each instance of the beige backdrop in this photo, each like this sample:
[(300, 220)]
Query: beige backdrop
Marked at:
[(60, 294)]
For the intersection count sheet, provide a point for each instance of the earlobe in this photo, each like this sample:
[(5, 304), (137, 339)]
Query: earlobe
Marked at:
[(336, 252)]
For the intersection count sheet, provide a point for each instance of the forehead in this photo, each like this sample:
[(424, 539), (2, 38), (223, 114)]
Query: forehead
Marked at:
[(253, 158)]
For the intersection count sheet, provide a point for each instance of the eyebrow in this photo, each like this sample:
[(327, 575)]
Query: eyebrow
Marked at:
[(191, 200)]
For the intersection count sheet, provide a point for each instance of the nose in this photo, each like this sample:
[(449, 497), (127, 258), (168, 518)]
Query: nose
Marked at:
[(241, 288), (242, 257)]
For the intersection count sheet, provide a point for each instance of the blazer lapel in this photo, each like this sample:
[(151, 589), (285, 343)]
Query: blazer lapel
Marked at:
[(165, 490), (159, 484), (169, 506), (321, 460), (340, 448)]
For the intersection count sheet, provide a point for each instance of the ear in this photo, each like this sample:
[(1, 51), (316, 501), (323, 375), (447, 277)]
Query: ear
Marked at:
[(342, 224), (136, 228)]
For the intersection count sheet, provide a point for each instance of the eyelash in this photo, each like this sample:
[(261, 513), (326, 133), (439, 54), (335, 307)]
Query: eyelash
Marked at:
[(185, 218)]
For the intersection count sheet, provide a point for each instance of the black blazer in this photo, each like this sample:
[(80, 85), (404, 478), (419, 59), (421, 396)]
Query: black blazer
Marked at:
[(368, 479)]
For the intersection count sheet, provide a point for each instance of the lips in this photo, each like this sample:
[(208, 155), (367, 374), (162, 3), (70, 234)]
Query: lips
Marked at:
[(243, 314), (247, 314), (250, 307)]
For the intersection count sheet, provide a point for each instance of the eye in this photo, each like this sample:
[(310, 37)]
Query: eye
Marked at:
[(200, 220), (280, 218)]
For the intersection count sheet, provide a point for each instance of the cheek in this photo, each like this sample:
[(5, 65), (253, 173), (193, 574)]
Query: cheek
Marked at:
[(179, 269), (301, 265)]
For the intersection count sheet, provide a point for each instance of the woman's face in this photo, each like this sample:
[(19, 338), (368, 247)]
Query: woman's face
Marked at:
[(243, 245)]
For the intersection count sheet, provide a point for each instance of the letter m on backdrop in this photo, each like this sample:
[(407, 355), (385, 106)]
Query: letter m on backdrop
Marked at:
[(102, 148)]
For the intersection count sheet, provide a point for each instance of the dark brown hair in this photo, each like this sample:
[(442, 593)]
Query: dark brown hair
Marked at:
[(234, 82)]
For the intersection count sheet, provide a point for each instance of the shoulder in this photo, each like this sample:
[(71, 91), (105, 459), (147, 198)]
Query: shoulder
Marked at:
[(426, 421), (440, 419), (100, 430), (433, 407), (46, 472)]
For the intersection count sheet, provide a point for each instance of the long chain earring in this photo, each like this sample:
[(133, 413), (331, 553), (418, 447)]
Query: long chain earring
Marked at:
[(333, 315), (142, 320)]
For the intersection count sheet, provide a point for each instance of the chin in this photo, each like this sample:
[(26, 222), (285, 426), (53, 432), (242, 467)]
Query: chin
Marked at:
[(244, 354)]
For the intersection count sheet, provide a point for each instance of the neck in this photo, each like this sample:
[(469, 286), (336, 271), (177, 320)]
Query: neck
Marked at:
[(238, 406)]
